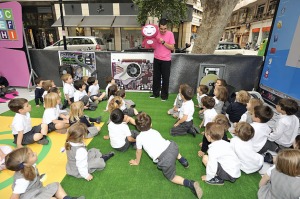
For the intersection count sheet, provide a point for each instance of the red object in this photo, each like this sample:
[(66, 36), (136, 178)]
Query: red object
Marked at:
[(98, 47), (273, 50), (255, 29), (266, 29), (149, 32)]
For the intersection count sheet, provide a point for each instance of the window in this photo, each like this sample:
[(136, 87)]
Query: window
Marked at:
[(76, 41), (260, 10), (99, 41), (131, 37), (87, 41), (61, 42), (272, 6)]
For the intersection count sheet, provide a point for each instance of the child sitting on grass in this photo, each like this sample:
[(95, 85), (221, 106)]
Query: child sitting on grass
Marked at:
[(52, 116), (117, 102), (109, 81), (236, 109), (202, 91), (209, 111), (76, 114), (282, 180), (184, 124), (219, 119), (247, 116), (22, 130), (127, 105), (80, 161), (121, 137), (111, 94), (27, 180), (177, 103), (262, 114), (81, 95), (93, 90), (68, 89), (221, 162), (251, 161), (163, 152), (38, 92), (286, 128), (220, 97)]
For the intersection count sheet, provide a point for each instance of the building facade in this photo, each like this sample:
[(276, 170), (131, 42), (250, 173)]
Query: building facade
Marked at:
[(112, 21), (250, 21)]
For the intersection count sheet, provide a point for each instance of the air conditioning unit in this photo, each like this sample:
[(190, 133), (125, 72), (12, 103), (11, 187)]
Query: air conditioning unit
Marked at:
[(272, 11)]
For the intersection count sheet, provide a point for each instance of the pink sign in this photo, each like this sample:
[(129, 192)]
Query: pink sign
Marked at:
[(11, 30), (13, 66), (13, 63)]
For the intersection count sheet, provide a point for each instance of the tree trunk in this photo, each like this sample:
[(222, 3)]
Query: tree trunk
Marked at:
[(215, 17)]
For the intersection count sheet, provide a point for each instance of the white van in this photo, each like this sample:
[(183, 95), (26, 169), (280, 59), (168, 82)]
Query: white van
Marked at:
[(81, 43)]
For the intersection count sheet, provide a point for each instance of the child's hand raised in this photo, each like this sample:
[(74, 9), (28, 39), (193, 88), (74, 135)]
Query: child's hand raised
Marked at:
[(89, 178)]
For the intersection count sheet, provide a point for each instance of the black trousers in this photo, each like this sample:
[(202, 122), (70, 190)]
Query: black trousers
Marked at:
[(161, 69)]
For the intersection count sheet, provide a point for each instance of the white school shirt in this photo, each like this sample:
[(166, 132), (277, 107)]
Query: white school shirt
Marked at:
[(221, 152), (44, 94), (178, 98), (218, 105), (94, 89), (21, 123), (285, 131), (50, 114), (244, 117), (261, 133), (152, 142), (188, 109), (69, 90), (78, 95), (81, 159), (106, 89), (251, 161), (209, 115), (199, 97), (108, 101), (118, 134), (22, 184), (123, 107)]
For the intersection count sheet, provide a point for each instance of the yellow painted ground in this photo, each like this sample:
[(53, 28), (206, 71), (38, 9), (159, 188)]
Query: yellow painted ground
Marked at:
[(53, 165)]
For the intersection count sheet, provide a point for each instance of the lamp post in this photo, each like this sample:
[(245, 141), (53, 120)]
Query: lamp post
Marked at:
[(62, 24)]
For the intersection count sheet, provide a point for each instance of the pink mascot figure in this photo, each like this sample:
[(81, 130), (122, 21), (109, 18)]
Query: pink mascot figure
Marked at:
[(149, 32)]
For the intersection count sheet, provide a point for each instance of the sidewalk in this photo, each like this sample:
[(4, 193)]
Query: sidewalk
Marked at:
[(23, 93)]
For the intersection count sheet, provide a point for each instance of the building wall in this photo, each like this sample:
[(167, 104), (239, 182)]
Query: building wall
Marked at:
[(115, 9), (247, 18)]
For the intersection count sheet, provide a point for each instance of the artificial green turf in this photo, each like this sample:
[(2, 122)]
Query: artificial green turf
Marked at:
[(120, 180)]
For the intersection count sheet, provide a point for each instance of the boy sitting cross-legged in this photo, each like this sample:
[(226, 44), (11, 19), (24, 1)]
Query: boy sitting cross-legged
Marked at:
[(184, 124), (163, 152), (22, 130), (221, 162)]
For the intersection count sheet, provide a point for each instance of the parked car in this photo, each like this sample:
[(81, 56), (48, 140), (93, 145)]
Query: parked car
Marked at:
[(229, 48), (83, 43)]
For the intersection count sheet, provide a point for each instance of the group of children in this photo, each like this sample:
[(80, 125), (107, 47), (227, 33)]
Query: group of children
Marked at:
[(246, 119), (253, 140)]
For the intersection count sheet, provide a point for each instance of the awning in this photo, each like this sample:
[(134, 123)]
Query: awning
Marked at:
[(266, 29), (255, 29), (69, 21), (97, 21), (127, 21)]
